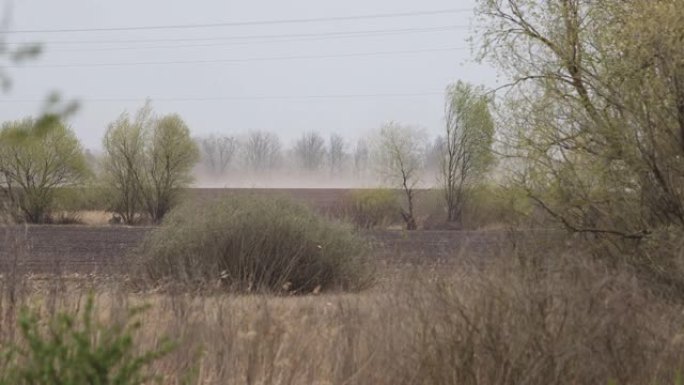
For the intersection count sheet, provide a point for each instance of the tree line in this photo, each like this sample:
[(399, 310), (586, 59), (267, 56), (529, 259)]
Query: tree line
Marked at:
[(148, 159)]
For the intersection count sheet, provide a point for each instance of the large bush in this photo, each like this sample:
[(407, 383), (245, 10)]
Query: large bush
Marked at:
[(254, 244)]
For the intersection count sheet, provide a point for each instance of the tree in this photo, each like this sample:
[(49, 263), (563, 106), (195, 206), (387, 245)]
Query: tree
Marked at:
[(466, 148), (261, 151), (361, 158), (218, 152), (310, 151), (336, 154), (124, 163), (36, 160), (595, 111), (147, 162), (170, 156), (399, 152)]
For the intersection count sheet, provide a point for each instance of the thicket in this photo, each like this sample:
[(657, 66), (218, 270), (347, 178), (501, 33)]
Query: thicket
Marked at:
[(254, 244)]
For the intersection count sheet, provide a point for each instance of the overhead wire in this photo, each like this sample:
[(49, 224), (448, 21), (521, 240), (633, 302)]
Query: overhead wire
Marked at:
[(247, 40), (244, 23), (238, 60), (239, 98)]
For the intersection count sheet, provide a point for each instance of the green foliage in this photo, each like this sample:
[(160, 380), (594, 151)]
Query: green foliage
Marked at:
[(467, 150), (35, 160), (123, 164), (399, 153), (594, 118), (247, 244), (75, 350), (485, 206), (171, 155), (372, 208), (148, 161), (492, 206)]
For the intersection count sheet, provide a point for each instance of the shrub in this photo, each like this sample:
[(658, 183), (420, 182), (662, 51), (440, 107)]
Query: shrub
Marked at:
[(73, 350), (484, 206), (374, 208), (247, 243)]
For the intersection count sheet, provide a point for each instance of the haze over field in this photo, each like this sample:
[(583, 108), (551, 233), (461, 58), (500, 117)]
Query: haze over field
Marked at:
[(348, 72)]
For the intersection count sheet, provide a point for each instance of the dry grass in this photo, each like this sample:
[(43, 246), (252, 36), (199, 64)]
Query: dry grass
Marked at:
[(95, 217), (525, 317)]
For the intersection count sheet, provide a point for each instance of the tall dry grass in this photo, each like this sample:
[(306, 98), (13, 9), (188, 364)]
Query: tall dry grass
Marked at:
[(530, 315)]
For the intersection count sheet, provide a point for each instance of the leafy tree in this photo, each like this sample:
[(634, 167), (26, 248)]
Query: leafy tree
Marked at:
[(124, 163), (170, 155), (597, 108), (310, 151), (35, 160), (595, 111), (466, 147), (399, 152), (148, 161)]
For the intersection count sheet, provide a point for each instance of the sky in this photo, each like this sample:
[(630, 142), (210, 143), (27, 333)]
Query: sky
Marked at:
[(266, 66)]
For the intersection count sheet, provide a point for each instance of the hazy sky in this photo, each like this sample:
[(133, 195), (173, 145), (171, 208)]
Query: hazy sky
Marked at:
[(347, 76)]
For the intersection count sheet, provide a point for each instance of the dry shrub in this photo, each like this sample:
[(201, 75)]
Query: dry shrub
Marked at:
[(531, 314), (541, 318), (255, 244), (658, 259)]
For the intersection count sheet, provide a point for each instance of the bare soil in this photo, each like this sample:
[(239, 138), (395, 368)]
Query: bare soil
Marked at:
[(90, 249)]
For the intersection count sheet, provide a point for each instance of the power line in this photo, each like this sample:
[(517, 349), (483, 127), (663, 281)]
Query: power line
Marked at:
[(249, 23), (240, 60), (240, 98), (249, 39)]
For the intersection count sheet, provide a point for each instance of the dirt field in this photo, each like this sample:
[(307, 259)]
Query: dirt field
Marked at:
[(102, 247), (91, 249)]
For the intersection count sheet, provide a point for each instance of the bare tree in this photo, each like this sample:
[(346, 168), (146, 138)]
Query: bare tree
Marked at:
[(433, 155), (218, 152), (261, 150), (400, 154), (310, 151), (466, 147), (361, 158), (336, 154)]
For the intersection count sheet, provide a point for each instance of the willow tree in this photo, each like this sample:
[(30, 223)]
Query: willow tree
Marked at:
[(466, 148), (148, 160), (124, 165), (170, 155), (598, 107), (596, 110), (36, 159)]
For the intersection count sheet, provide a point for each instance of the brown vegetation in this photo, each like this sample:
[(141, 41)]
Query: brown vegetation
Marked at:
[(535, 315)]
